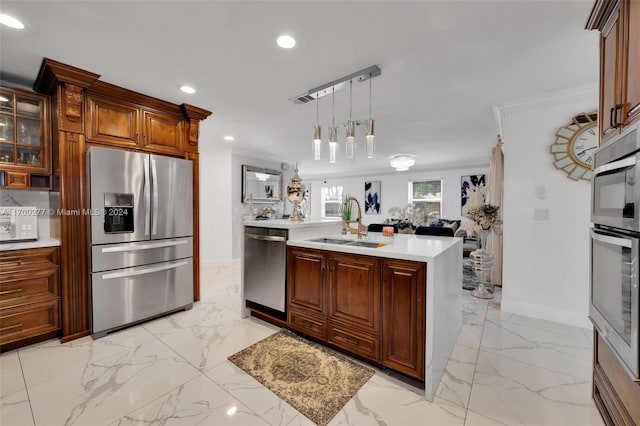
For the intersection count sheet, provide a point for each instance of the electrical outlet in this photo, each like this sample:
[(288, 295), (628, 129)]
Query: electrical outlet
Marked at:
[(541, 214)]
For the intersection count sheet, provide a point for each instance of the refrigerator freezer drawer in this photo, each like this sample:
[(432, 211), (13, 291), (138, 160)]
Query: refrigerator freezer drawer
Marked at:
[(125, 296), (127, 255)]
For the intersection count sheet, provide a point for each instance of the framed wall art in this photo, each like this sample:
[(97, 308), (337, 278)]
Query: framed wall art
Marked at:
[(469, 182), (372, 197)]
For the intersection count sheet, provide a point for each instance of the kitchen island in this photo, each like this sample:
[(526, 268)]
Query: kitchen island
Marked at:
[(393, 301)]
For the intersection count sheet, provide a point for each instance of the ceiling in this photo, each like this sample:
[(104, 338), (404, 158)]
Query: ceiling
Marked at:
[(444, 65)]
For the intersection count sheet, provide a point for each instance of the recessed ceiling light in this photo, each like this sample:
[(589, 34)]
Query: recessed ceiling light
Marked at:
[(4, 99), (229, 138), (10, 21), (188, 89), (286, 41)]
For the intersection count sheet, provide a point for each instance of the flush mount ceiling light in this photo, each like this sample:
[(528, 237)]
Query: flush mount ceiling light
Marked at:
[(188, 89), (286, 41), (330, 89), (229, 138), (10, 22), (402, 162)]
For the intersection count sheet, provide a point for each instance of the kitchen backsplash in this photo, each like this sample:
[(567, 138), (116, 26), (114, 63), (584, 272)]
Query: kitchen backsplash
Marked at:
[(15, 197)]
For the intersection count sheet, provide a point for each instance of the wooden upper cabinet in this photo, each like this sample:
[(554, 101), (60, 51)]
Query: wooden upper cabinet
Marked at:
[(611, 67), (121, 124), (112, 122), (25, 142), (632, 90), (619, 25), (163, 133)]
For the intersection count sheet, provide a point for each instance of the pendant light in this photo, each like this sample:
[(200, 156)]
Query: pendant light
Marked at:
[(369, 130), (350, 145), (333, 131), (317, 139)]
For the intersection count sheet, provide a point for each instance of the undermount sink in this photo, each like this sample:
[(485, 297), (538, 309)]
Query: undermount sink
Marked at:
[(330, 241), (368, 244), (339, 241)]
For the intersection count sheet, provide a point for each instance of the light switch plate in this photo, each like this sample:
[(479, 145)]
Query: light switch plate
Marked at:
[(541, 214)]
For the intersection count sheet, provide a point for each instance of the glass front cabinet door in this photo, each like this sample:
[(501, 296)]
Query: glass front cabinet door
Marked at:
[(24, 131)]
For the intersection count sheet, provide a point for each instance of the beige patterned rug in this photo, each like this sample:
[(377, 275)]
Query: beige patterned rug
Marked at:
[(315, 381)]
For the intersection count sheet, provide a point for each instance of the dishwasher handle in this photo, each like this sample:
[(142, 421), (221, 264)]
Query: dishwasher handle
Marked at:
[(265, 237)]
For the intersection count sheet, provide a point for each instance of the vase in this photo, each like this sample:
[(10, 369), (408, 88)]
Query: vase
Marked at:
[(482, 261)]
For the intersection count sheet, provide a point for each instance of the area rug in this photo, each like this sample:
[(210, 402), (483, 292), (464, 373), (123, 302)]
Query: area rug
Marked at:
[(312, 379)]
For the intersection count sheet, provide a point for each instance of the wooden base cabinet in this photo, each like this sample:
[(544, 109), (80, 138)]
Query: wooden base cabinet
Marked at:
[(403, 319), (29, 296), (367, 306), (615, 394)]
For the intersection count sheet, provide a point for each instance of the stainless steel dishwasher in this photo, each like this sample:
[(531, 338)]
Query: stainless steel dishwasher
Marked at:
[(265, 266)]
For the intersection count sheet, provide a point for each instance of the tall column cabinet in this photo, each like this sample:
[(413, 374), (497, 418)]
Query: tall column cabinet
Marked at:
[(88, 111)]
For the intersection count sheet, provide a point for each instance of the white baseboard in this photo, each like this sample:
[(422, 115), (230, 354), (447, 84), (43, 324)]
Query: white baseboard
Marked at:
[(214, 263), (549, 314)]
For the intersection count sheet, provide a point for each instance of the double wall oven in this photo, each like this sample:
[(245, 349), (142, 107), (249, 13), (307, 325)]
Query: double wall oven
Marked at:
[(615, 241)]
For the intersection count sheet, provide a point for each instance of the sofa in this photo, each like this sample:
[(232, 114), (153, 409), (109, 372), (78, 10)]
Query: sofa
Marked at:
[(439, 227), (449, 228)]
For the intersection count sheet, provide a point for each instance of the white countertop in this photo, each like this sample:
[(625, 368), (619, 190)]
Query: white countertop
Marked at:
[(419, 248), (286, 224), (22, 245)]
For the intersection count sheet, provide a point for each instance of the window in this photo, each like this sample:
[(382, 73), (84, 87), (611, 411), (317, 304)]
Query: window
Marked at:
[(331, 201), (427, 195)]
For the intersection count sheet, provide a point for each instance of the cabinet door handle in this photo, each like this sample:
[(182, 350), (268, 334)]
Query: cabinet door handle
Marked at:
[(612, 125), (15, 290), (346, 339), (11, 327)]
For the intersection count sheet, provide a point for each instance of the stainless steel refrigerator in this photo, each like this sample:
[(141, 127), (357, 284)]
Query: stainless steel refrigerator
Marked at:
[(141, 229)]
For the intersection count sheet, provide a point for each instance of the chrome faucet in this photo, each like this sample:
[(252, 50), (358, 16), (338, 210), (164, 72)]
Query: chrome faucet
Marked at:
[(362, 230)]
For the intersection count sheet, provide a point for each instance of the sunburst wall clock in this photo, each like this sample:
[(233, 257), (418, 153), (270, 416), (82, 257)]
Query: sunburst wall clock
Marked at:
[(575, 145)]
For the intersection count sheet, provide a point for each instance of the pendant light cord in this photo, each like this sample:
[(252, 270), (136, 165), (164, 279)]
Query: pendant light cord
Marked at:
[(370, 95), (317, 108), (333, 107), (350, 103)]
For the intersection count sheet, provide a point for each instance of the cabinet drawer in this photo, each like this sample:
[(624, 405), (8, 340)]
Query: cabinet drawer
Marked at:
[(627, 392), (25, 260), (14, 179), (29, 320), (353, 341), (308, 324), (28, 286)]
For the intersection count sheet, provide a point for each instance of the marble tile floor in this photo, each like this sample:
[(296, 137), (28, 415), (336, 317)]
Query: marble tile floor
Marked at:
[(505, 370)]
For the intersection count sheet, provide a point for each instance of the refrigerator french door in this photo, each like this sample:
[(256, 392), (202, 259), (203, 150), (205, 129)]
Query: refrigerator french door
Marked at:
[(141, 230)]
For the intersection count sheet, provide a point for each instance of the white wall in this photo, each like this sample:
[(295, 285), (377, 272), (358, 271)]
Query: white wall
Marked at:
[(546, 263), (394, 190), (215, 197)]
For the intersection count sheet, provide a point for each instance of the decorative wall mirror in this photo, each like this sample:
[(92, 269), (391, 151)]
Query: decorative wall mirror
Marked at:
[(262, 185)]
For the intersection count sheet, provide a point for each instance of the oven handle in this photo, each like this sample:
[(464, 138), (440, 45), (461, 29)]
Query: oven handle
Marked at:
[(622, 242), (144, 271), (620, 164)]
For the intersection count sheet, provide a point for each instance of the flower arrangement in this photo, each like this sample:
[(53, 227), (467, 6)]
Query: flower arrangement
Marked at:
[(409, 217), (269, 210), (483, 216)]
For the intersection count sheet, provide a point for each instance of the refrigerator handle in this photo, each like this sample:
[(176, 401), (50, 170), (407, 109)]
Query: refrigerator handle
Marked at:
[(147, 196), (154, 215)]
